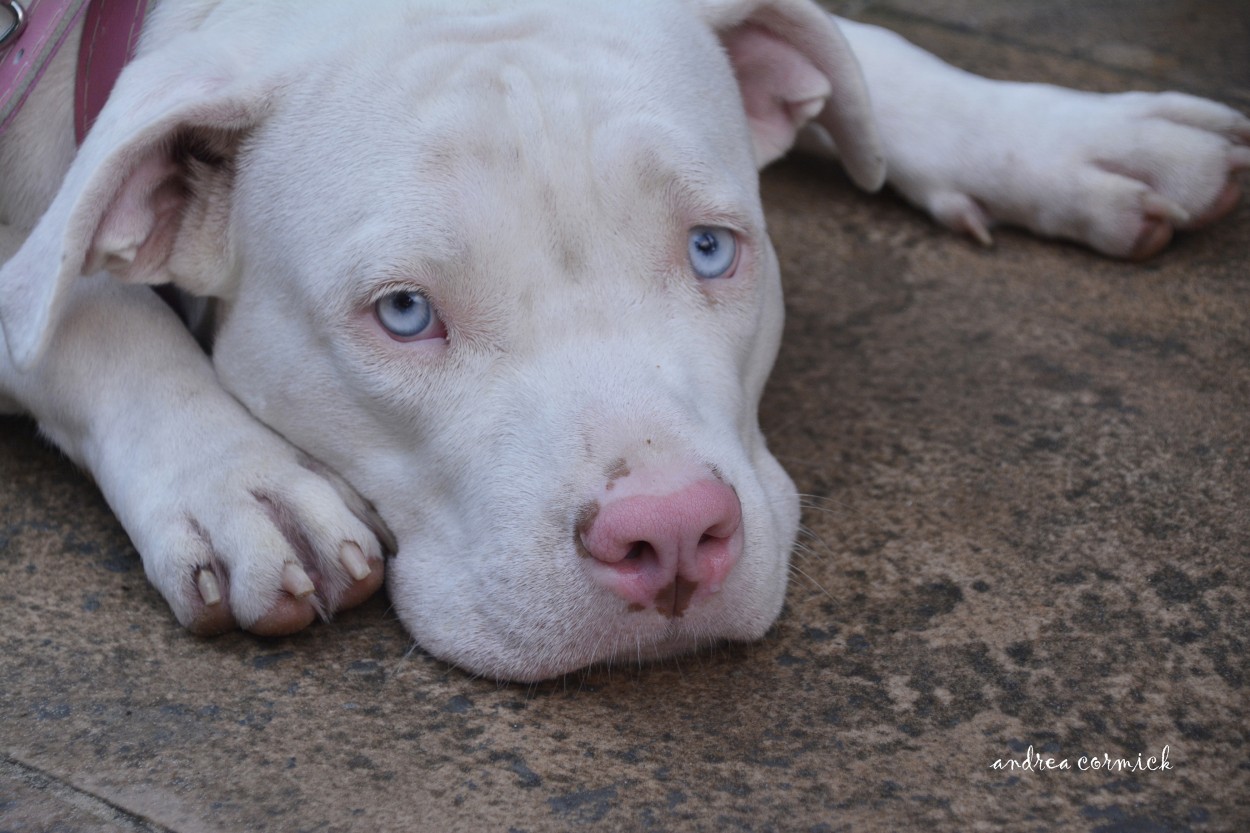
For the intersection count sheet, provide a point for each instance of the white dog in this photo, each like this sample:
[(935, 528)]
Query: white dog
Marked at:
[(502, 266)]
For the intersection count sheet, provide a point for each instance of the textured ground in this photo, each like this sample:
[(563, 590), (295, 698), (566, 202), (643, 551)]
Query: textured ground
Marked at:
[(1031, 528)]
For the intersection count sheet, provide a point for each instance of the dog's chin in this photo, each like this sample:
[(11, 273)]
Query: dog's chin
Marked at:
[(634, 657), (541, 640), (529, 668)]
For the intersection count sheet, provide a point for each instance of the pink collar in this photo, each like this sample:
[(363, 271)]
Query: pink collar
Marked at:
[(31, 33)]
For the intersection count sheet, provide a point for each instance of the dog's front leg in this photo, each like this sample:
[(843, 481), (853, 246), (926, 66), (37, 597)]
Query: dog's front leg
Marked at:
[(1118, 173), (236, 527), (10, 241)]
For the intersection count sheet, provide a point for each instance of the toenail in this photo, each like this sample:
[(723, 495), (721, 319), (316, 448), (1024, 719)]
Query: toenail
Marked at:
[(296, 582), (353, 560), (210, 590)]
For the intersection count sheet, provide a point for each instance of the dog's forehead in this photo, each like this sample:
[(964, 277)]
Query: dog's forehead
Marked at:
[(506, 85), (523, 122)]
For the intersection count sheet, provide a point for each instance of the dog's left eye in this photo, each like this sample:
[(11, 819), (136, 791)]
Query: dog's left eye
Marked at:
[(409, 316), (713, 251)]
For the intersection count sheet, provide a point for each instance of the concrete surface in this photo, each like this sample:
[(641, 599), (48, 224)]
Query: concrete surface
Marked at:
[(1030, 526)]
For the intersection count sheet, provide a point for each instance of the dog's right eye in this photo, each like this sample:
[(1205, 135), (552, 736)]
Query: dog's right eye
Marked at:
[(409, 316)]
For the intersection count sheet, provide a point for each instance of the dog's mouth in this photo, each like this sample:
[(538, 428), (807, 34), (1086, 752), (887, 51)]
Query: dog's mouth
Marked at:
[(668, 561)]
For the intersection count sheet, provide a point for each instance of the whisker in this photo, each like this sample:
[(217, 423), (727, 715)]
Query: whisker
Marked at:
[(804, 551), (799, 570), (594, 655), (404, 657), (825, 547), (809, 501)]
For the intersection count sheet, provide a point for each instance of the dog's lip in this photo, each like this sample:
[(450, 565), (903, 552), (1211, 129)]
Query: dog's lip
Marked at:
[(674, 646)]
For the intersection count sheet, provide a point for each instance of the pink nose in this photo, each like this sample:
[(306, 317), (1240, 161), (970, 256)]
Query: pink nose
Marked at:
[(664, 551)]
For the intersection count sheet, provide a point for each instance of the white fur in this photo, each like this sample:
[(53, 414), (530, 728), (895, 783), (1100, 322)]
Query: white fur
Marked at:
[(534, 169)]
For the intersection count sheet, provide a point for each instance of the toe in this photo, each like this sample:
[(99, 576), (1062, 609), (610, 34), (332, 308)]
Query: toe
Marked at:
[(961, 213), (287, 616), (213, 621), (212, 615), (361, 508), (1154, 238), (367, 574), (1222, 207)]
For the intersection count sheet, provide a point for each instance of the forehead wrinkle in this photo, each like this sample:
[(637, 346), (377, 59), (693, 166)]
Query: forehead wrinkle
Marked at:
[(651, 161), (525, 160)]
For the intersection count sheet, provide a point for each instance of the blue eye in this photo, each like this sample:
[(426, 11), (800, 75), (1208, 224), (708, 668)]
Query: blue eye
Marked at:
[(407, 315), (713, 251)]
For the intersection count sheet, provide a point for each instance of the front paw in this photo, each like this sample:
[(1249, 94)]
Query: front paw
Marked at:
[(258, 536)]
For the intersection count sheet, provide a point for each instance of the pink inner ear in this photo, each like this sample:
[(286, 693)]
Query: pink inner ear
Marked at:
[(782, 90), (136, 235)]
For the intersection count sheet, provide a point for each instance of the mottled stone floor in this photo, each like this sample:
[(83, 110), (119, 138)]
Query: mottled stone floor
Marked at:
[(1030, 527)]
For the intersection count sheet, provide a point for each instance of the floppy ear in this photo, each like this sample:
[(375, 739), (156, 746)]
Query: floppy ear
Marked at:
[(146, 198), (794, 67)]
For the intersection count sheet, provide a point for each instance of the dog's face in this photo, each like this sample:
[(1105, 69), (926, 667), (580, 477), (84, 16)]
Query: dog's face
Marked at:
[(520, 287), (507, 272)]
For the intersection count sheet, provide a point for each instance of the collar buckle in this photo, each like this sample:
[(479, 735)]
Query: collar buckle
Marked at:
[(18, 14)]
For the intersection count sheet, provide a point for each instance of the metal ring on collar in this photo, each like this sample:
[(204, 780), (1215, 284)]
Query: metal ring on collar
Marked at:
[(11, 34)]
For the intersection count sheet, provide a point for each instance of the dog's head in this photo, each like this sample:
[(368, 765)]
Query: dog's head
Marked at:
[(504, 268)]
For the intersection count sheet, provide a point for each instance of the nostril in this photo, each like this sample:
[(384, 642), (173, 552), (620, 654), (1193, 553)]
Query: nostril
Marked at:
[(637, 551)]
